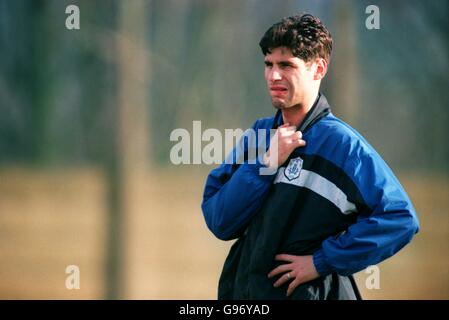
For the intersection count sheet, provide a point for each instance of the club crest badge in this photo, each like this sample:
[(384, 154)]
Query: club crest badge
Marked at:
[(293, 169)]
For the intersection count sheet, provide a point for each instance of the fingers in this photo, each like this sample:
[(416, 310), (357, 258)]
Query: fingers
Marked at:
[(298, 143), (287, 131), (300, 270), (292, 286), (297, 139), (289, 276), (291, 136), (285, 257), (282, 144), (283, 279), (280, 269)]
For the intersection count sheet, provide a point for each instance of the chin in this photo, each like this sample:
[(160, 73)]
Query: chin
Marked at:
[(278, 104)]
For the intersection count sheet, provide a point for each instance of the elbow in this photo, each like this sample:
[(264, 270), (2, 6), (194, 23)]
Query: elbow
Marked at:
[(223, 235), (220, 232), (411, 226), (414, 225), (215, 224)]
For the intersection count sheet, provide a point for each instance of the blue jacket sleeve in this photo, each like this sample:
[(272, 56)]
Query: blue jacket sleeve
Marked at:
[(378, 234), (233, 194)]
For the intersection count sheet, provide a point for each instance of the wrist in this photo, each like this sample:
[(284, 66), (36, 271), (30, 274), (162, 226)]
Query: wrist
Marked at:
[(266, 160), (320, 263), (269, 162)]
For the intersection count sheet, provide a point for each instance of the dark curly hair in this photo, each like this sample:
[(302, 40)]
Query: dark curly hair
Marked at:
[(304, 35)]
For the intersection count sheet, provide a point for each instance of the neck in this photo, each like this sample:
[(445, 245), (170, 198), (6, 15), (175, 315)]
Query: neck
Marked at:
[(296, 114)]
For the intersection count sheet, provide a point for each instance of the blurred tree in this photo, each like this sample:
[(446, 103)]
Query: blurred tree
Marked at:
[(129, 157)]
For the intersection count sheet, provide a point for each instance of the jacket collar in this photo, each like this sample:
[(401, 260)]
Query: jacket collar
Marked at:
[(320, 109)]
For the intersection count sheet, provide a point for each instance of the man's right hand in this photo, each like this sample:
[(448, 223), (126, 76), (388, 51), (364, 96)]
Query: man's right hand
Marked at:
[(285, 140)]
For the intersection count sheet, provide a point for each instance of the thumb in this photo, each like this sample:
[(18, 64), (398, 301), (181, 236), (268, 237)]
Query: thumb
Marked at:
[(298, 142)]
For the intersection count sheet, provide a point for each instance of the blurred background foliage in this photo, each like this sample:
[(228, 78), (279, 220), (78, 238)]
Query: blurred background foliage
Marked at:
[(86, 116)]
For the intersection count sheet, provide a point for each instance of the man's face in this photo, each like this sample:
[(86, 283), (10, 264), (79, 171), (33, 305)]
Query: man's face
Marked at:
[(289, 78)]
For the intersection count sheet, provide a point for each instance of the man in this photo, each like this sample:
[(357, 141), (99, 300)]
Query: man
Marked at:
[(332, 206)]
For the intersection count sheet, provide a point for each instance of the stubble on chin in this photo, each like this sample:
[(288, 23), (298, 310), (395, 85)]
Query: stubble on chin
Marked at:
[(279, 105)]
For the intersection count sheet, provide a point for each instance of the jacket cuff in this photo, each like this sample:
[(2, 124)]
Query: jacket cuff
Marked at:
[(319, 260)]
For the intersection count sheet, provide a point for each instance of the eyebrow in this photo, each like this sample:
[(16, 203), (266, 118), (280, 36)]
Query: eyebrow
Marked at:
[(283, 63), (286, 63)]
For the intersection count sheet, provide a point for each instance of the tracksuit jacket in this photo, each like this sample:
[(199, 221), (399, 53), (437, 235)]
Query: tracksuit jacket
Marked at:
[(335, 199)]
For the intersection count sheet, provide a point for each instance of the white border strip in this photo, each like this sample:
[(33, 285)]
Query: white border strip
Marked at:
[(321, 186)]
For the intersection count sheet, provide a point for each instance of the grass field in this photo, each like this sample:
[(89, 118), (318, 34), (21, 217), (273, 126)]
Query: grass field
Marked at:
[(51, 219)]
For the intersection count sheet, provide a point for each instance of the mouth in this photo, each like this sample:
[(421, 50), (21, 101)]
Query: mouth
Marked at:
[(278, 90)]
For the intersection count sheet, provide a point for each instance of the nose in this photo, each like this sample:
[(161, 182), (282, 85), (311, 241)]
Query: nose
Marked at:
[(274, 75)]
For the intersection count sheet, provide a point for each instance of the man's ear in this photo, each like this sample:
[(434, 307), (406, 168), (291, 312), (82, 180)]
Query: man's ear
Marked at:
[(321, 69)]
